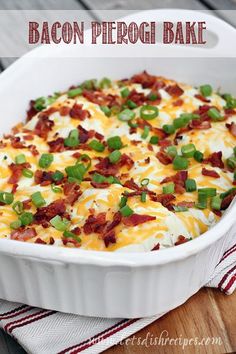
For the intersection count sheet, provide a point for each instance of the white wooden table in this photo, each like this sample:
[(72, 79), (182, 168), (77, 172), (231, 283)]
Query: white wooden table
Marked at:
[(7, 344)]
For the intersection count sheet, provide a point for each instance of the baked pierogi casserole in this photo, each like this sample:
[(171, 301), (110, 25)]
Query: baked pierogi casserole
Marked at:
[(139, 164)]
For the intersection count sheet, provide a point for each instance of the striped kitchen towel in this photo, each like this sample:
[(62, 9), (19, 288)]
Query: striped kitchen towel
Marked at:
[(49, 332)]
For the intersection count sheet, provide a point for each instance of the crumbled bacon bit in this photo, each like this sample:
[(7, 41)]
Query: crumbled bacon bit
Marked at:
[(56, 145), (144, 79), (14, 188), (156, 247), (106, 168), (174, 90), (210, 173), (44, 178), (199, 124), (164, 143), (232, 128), (137, 219), (16, 172), (43, 126), (23, 234), (45, 214), (33, 150), (72, 192), (95, 224), (84, 134), (137, 97), (164, 158), (16, 142), (186, 204), (227, 200), (202, 98), (51, 241), (215, 159), (40, 241), (31, 111), (181, 239), (28, 137), (178, 103), (76, 231), (64, 110), (164, 199), (115, 221), (98, 185), (77, 112), (26, 204), (110, 237)]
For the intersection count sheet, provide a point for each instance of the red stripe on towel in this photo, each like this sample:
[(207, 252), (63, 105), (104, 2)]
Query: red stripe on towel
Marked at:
[(30, 321), (230, 283), (15, 312), (225, 277)]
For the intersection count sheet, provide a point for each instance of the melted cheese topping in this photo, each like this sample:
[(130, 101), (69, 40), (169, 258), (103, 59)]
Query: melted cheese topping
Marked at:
[(168, 225)]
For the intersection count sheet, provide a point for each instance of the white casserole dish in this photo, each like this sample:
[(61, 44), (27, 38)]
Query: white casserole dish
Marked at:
[(104, 284)]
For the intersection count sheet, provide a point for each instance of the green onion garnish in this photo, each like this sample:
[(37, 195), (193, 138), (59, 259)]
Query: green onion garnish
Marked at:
[(85, 158), (178, 208), (105, 83), (57, 176), (168, 128), (198, 156), (125, 92), (145, 133), (231, 162), (20, 159), (106, 110), (126, 115), (143, 197), (123, 201), (45, 160), (131, 104), (180, 163), (209, 192), (70, 234), (230, 101), (202, 200), (180, 122), (225, 194), (206, 90), (188, 150), (15, 224), (114, 143), (126, 211), (114, 156), (216, 202), (96, 145), (152, 96), (75, 92), (27, 173), (55, 189), (169, 188), (144, 182), (234, 150), (214, 114), (59, 223), (38, 199), (73, 139), (18, 207), (6, 197), (77, 171), (26, 218), (148, 112), (154, 140), (190, 185), (171, 150)]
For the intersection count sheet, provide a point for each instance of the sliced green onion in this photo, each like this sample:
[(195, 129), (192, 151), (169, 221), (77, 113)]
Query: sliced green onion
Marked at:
[(73, 139), (152, 96), (45, 160), (216, 202), (57, 176), (85, 157), (169, 188), (75, 92), (126, 211), (114, 156), (6, 197), (230, 101), (225, 194), (115, 110), (105, 83), (96, 145), (206, 90), (178, 208), (188, 150), (198, 156), (15, 224), (78, 171), (202, 200), (125, 92), (143, 197), (114, 143), (148, 112), (99, 178), (209, 192), (180, 163), (171, 150), (126, 115), (70, 234), (168, 128), (123, 201), (234, 149), (38, 199), (234, 175), (18, 207), (190, 185), (145, 133), (231, 162), (214, 114), (132, 125), (55, 189), (154, 140), (131, 104), (89, 84), (26, 218), (179, 122), (59, 223), (106, 110), (20, 159), (144, 182), (27, 173)]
